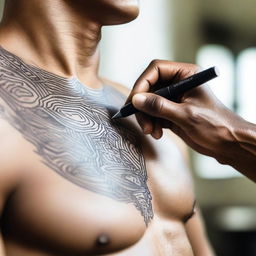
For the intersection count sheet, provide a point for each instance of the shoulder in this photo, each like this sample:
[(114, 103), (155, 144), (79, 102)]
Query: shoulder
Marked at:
[(170, 139), (14, 69), (117, 86), (180, 144), (171, 149)]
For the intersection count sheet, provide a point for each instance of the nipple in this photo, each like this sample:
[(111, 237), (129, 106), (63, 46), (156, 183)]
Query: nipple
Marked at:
[(103, 240)]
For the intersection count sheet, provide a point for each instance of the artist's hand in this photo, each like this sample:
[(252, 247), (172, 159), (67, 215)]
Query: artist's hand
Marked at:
[(198, 117)]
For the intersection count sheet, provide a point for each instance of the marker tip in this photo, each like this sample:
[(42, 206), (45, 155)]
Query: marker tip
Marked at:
[(117, 115)]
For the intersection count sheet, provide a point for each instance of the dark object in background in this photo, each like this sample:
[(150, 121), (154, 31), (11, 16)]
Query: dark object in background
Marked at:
[(228, 241)]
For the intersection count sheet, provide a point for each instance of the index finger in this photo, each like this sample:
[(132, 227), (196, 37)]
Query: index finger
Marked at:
[(162, 70)]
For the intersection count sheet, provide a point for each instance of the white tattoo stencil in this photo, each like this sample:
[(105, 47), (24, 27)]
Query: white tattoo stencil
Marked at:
[(71, 128)]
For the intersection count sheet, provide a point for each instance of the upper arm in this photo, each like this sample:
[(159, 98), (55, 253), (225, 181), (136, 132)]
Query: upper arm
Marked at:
[(119, 87), (8, 162), (7, 177), (197, 236)]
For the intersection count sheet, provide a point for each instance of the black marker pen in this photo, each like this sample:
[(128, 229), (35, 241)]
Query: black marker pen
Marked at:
[(172, 91)]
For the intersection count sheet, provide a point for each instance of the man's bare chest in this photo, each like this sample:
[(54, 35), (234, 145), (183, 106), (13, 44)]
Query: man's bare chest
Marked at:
[(79, 186), (84, 179), (71, 129), (85, 175), (49, 209)]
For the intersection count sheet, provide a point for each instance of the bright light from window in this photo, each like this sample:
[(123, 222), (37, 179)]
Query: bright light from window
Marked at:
[(208, 168), (246, 92), (223, 87), (128, 49), (220, 56)]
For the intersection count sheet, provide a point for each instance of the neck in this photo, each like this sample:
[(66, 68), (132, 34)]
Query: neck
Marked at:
[(54, 36)]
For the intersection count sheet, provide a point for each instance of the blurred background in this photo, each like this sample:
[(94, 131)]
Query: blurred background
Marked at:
[(206, 32)]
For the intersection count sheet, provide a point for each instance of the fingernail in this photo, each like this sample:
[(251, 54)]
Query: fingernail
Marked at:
[(139, 99), (157, 134)]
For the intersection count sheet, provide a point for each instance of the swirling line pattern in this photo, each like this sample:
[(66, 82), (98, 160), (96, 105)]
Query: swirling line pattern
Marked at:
[(71, 128)]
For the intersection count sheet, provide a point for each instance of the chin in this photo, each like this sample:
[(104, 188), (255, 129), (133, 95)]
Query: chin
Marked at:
[(123, 17), (107, 12), (113, 12)]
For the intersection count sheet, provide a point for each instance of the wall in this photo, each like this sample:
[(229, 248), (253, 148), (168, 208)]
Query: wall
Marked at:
[(128, 49)]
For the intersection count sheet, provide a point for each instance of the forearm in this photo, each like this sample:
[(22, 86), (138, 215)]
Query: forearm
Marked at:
[(242, 153)]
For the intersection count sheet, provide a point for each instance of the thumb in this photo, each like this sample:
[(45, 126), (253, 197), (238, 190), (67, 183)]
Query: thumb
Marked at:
[(157, 106)]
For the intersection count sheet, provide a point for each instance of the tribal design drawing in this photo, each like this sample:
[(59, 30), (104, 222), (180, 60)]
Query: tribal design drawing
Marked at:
[(72, 131)]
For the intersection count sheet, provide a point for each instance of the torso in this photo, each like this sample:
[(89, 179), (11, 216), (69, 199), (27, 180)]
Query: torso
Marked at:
[(82, 176)]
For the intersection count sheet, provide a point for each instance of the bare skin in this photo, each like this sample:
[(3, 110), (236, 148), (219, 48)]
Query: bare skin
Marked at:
[(61, 191), (200, 119)]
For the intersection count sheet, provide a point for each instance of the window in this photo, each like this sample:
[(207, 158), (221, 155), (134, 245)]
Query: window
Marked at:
[(127, 49), (222, 58), (246, 79)]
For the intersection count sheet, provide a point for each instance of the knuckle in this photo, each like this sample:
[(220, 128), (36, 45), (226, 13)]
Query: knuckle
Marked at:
[(195, 68), (192, 69), (154, 104), (155, 62)]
